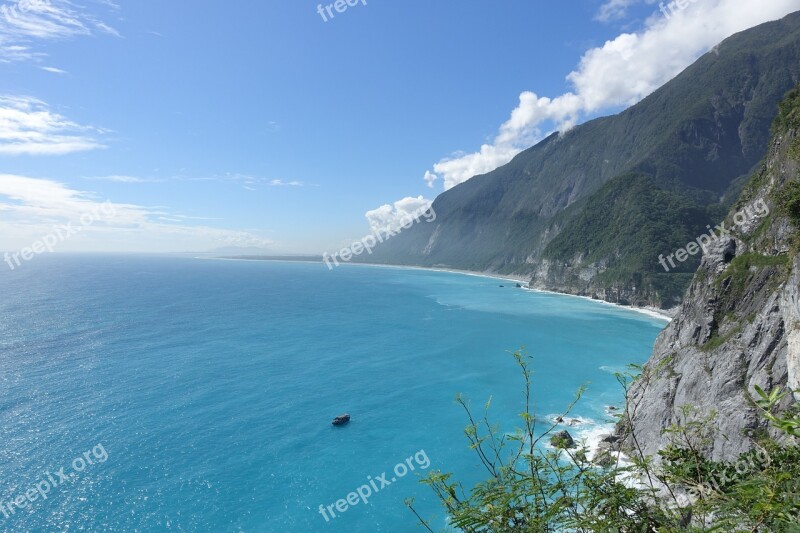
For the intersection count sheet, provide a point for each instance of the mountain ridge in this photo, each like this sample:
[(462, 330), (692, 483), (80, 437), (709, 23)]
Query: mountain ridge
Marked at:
[(697, 138)]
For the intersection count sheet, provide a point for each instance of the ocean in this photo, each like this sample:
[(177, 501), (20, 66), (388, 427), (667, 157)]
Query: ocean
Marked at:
[(150, 393)]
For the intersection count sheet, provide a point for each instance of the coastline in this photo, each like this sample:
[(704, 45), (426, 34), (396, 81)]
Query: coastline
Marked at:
[(649, 311), (652, 312)]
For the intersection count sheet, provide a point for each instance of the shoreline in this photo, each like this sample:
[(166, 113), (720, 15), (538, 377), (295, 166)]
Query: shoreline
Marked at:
[(652, 312), (649, 311)]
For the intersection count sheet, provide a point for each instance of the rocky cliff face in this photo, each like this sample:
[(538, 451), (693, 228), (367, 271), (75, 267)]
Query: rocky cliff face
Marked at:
[(579, 280), (738, 326)]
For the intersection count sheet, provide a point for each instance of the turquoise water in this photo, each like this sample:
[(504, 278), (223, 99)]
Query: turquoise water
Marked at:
[(209, 386)]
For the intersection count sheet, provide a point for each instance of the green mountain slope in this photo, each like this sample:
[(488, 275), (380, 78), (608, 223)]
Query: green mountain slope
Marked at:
[(696, 140)]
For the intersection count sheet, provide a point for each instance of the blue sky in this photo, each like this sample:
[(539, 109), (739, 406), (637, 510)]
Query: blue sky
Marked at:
[(255, 123)]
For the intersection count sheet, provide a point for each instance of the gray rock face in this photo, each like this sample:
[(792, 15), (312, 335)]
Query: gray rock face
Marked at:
[(609, 442), (738, 326), (790, 300), (581, 281)]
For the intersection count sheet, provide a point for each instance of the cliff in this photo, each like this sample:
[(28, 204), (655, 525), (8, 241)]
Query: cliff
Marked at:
[(739, 323)]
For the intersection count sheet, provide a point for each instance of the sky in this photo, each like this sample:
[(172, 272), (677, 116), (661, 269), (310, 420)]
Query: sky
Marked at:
[(155, 126)]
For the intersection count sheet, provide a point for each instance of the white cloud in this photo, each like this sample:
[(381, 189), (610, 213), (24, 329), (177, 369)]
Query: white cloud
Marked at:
[(23, 22), (247, 181), (46, 201), (430, 178), (15, 52), (519, 132), (121, 179), (620, 73), (616, 9), (391, 217), (281, 183), (32, 206), (54, 70), (27, 126)]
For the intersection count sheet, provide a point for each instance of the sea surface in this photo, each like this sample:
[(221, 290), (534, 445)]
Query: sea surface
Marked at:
[(186, 394)]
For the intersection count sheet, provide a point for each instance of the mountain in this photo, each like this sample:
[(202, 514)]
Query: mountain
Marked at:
[(589, 211), (739, 324)]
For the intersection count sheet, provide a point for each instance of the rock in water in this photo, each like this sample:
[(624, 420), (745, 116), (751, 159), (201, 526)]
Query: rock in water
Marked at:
[(562, 440), (604, 459), (609, 442)]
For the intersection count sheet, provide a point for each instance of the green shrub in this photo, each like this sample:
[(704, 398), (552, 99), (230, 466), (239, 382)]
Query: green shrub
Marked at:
[(531, 489), (789, 201), (788, 113)]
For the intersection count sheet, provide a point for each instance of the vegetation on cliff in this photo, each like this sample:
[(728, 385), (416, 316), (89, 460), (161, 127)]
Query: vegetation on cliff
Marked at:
[(530, 488), (627, 225)]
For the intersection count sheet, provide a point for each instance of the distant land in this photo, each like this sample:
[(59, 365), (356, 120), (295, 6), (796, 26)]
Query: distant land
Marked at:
[(304, 258)]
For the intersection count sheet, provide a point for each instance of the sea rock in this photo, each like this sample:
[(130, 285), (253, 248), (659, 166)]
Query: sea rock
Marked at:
[(604, 458), (563, 440), (571, 422), (609, 442)]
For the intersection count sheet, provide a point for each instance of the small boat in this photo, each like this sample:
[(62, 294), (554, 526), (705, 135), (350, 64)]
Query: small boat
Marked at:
[(341, 420)]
